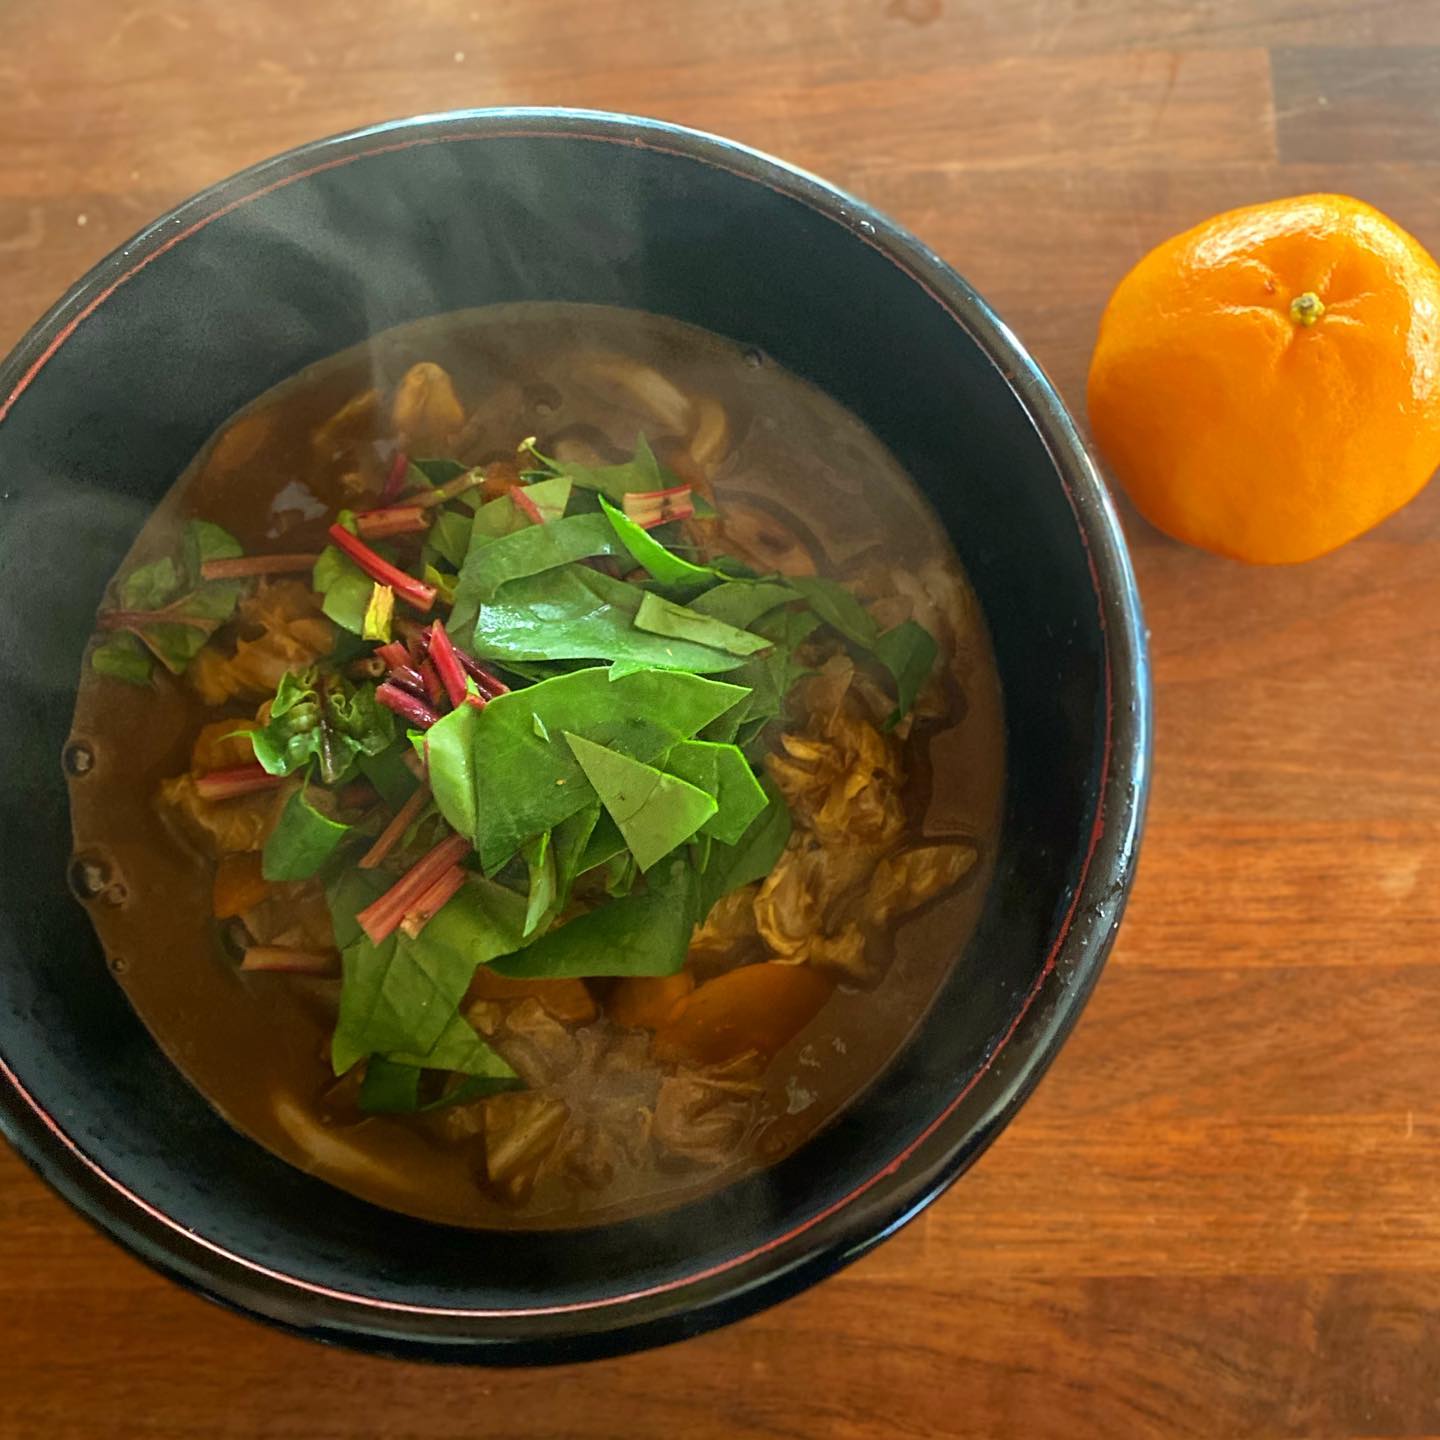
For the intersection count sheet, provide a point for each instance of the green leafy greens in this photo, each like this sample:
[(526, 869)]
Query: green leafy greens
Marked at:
[(653, 810), (322, 717), (302, 841), (168, 610), (497, 781)]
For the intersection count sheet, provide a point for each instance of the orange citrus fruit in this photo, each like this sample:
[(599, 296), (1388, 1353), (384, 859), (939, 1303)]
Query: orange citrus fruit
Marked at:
[(1267, 385)]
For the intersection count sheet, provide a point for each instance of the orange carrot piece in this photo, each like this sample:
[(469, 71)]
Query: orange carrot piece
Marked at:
[(646, 1002), (569, 1001), (757, 1007), (239, 885)]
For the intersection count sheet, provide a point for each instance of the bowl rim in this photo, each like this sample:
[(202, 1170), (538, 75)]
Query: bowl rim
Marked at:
[(852, 1225)]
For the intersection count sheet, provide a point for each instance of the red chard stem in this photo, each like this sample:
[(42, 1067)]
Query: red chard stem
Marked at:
[(447, 664), (240, 780), (379, 919), (412, 591), (244, 567), (407, 706), (395, 478)]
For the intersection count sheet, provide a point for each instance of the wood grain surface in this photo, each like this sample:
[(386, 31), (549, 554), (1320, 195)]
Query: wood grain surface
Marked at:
[(1220, 1215)]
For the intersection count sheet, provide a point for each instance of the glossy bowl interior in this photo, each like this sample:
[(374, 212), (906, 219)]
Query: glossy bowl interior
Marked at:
[(106, 401)]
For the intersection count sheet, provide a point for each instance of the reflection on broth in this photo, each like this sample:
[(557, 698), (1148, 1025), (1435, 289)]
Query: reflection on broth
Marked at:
[(432, 903)]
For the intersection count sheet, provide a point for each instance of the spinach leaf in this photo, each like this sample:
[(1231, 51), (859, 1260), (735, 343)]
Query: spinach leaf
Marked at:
[(301, 842), (645, 933), (654, 811), (389, 1089), (603, 845), (643, 472), (569, 843), (575, 613), (393, 1089), (169, 607), (908, 652), (535, 549), (399, 997), (721, 771), (493, 521), (663, 617), (392, 1082), (449, 538), (752, 857), (620, 873), (838, 608), (325, 718), (550, 497), (435, 472), (344, 587), (664, 565), (498, 782), (768, 677), (390, 775), (742, 602), (540, 861)]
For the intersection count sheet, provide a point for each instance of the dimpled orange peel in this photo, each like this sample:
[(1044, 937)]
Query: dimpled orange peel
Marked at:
[(1267, 385)]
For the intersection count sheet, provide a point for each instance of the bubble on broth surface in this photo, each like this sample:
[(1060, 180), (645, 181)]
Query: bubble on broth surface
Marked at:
[(90, 876), (79, 758)]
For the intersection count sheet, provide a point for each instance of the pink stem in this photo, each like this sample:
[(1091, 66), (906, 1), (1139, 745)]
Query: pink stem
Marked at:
[(409, 589), (395, 480), (389, 837), (406, 706), (290, 962), (684, 512), (398, 520), (641, 495), (527, 505), (393, 654), (242, 567), (434, 900), (379, 919), (407, 677), (241, 780), (137, 619), (447, 664), (434, 690), (490, 685)]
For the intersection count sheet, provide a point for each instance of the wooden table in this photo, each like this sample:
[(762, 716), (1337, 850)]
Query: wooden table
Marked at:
[(1220, 1215)]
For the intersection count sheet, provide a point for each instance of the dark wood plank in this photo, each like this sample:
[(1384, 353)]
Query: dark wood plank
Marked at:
[(1338, 105), (1217, 1217)]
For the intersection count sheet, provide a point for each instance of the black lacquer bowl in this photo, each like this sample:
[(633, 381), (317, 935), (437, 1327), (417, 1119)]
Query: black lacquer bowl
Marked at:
[(110, 396)]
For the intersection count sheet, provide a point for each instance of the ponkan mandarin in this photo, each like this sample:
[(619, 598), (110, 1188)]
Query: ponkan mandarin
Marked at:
[(1267, 385)]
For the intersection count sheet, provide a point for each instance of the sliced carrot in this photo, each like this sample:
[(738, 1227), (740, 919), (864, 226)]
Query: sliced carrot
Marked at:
[(569, 1001), (218, 746), (239, 885), (646, 1002), (757, 1007)]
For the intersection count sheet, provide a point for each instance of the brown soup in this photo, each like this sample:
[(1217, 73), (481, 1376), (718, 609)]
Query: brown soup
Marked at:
[(621, 1109)]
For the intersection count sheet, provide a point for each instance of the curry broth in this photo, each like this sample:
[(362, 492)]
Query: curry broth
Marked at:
[(256, 1044)]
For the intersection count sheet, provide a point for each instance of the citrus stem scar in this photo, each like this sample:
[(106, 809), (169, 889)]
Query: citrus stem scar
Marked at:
[(1306, 309)]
